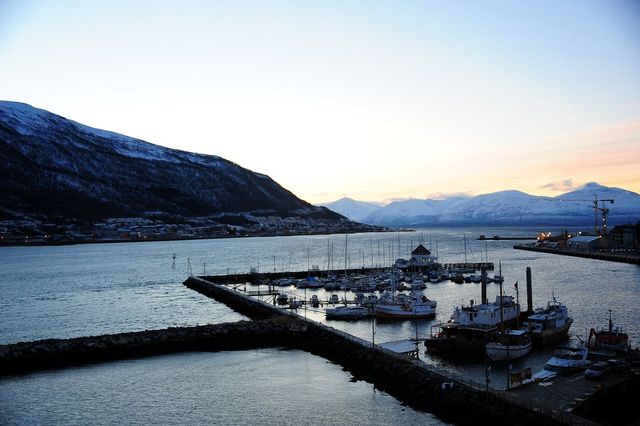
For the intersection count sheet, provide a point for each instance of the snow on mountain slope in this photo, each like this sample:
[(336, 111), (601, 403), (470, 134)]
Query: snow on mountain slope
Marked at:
[(352, 209), (55, 167), (510, 208)]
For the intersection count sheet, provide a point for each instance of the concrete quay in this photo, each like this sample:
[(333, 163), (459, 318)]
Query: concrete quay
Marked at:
[(632, 258)]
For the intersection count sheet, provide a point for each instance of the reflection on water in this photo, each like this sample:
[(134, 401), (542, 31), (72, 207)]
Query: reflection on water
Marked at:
[(267, 387)]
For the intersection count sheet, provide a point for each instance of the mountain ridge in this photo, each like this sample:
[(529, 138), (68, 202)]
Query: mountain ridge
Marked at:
[(507, 208), (57, 169)]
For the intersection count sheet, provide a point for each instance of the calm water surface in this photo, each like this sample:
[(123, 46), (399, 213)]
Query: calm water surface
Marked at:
[(223, 388), (81, 290)]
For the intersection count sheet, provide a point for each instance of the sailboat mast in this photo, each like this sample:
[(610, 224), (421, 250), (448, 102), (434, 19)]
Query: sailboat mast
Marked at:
[(465, 248)]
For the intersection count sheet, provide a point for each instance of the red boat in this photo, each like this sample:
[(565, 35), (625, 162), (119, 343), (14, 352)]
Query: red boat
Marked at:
[(610, 339)]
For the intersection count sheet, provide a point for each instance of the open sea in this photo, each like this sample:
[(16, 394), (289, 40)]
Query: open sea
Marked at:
[(92, 289)]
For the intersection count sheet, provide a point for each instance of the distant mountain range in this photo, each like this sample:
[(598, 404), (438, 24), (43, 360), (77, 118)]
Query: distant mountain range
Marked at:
[(56, 169), (504, 208)]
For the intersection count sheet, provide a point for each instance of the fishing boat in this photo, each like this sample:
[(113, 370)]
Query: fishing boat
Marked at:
[(550, 323), (469, 329), (347, 312), (609, 339), (507, 345)]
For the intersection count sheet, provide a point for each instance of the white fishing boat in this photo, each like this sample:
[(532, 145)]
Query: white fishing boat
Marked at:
[(550, 323), (347, 312), (507, 345), (470, 327)]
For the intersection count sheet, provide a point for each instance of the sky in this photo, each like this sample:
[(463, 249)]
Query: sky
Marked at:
[(374, 100)]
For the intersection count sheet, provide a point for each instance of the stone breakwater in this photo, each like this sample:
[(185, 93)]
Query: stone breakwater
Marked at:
[(29, 356)]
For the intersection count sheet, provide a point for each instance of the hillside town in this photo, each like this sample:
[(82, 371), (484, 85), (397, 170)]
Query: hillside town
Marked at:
[(37, 232)]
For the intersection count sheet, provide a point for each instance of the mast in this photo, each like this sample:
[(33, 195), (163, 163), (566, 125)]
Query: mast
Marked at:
[(346, 279), (465, 248)]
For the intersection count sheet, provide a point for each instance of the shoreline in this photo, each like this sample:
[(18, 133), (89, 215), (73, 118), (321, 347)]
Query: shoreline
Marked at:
[(631, 258), (40, 243)]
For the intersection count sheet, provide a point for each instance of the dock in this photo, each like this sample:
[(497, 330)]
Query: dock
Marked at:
[(254, 277), (632, 258), (498, 238)]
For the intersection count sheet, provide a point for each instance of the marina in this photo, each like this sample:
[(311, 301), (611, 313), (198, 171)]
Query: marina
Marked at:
[(156, 303)]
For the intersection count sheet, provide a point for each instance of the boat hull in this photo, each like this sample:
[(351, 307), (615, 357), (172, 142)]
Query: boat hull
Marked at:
[(346, 313), (400, 312), (497, 352), (549, 336), (455, 346)]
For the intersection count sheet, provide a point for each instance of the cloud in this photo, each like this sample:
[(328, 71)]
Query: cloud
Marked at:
[(562, 186)]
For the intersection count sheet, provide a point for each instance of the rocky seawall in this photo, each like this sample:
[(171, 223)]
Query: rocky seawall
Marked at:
[(29, 356)]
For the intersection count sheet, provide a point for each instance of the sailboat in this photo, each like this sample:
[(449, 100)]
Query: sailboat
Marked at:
[(346, 312), (417, 305)]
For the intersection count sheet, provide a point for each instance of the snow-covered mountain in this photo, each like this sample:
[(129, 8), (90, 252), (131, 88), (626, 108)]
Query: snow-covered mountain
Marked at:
[(511, 208), (354, 210), (54, 168)]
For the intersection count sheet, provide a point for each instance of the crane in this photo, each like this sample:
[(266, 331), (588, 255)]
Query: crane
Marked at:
[(597, 208), (604, 212)]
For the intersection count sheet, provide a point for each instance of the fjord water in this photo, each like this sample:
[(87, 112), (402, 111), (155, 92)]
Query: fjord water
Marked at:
[(79, 290)]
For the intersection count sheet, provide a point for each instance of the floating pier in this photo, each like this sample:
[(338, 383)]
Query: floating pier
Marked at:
[(253, 277), (498, 238)]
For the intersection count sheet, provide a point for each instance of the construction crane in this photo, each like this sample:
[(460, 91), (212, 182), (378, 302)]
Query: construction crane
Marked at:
[(597, 208), (604, 211)]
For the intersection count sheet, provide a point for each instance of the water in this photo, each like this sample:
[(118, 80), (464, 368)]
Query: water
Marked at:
[(267, 387), (94, 289)]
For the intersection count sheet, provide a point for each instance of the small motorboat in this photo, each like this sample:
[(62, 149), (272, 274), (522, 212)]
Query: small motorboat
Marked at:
[(347, 312)]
